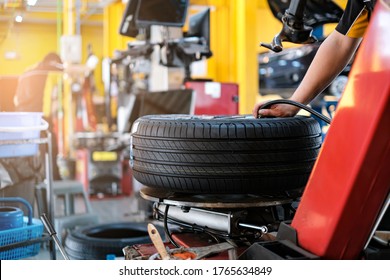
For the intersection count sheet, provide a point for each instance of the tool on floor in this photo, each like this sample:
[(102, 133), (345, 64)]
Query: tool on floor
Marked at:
[(196, 253), (202, 252), (157, 242), (53, 234)]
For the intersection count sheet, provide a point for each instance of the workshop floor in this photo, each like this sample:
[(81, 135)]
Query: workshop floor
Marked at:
[(108, 210)]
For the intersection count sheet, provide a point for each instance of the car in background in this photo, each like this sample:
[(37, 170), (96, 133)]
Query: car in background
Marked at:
[(281, 73)]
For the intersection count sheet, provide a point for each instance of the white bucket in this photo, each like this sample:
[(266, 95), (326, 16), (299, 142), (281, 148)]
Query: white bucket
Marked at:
[(20, 126)]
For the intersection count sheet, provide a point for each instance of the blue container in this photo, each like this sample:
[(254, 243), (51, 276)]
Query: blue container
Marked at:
[(31, 229), (10, 217), (20, 126)]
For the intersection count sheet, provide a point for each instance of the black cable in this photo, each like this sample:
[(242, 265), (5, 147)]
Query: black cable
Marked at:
[(166, 230), (297, 104)]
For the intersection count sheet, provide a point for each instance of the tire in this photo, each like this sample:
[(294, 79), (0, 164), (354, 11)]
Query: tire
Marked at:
[(224, 154), (96, 242)]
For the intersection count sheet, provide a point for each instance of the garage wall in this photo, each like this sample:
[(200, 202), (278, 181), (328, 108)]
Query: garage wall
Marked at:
[(237, 28), (112, 40), (31, 42)]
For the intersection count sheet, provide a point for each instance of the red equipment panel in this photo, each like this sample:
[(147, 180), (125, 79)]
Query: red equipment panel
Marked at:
[(350, 180), (213, 98)]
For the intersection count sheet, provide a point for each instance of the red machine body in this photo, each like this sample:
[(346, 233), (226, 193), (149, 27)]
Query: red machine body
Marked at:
[(351, 178), (212, 98)]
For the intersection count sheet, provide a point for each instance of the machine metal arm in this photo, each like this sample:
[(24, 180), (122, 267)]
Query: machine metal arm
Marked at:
[(294, 29)]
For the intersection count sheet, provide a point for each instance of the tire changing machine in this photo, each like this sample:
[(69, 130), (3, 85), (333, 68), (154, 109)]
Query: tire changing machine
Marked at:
[(347, 193)]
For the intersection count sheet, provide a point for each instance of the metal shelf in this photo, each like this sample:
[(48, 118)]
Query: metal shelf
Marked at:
[(47, 140)]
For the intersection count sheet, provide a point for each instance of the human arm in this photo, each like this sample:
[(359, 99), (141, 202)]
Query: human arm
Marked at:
[(331, 58)]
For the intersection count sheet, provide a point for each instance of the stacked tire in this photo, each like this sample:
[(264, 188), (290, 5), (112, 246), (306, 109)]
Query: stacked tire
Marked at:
[(98, 241), (224, 154)]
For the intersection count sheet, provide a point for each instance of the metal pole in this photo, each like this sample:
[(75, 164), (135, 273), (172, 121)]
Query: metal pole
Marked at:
[(381, 214), (49, 193)]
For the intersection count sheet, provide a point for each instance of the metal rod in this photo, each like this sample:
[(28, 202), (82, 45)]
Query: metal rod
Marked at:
[(381, 214), (263, 229), (297, 8), (381, 241), (50, 229), (49, 182)]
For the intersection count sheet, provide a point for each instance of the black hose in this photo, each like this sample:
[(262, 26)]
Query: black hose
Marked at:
[(167, 233), (297, 104)]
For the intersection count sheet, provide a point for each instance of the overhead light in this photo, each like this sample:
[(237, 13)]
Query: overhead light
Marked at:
[(31, 2), (19, 18)]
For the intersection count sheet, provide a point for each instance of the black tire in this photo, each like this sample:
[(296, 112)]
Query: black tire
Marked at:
[(96, 242), (224, 154)]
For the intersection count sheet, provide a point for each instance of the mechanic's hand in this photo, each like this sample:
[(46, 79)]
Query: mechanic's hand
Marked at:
[(276, 110)]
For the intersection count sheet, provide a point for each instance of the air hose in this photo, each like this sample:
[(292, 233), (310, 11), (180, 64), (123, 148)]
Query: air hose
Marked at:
[(297, 104)]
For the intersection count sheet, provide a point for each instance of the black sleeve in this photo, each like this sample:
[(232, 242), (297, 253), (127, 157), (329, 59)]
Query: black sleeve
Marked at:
[(352, 11)]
